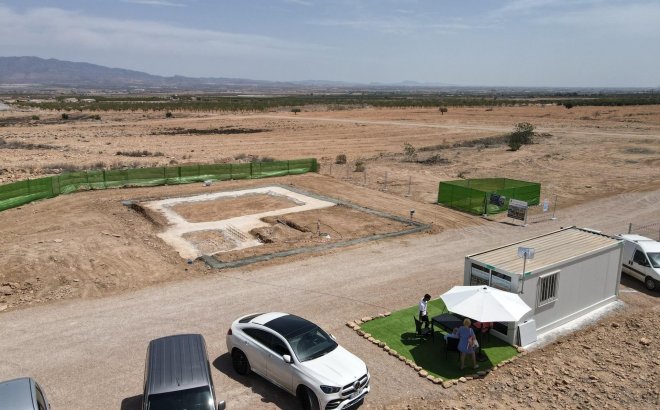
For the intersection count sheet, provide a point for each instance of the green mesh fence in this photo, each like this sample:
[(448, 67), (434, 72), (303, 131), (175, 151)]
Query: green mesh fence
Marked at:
[(488, 195), (22, 192)]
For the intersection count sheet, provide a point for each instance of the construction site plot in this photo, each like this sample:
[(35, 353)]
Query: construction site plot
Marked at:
[(246, 225)]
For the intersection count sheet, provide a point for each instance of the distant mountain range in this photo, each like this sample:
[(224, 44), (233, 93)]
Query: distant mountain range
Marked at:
[(34, 74), (38, 73)]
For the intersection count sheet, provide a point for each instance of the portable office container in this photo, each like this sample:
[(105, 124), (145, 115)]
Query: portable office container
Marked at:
[(573, 272)]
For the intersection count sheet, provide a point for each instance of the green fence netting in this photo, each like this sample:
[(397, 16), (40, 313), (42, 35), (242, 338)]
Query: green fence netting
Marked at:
[(22, 192), (487, 195)]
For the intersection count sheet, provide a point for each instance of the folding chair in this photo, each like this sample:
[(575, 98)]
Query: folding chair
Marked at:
[(419, 330)]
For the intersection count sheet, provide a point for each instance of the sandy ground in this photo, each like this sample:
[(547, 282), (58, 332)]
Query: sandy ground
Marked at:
[(225, 208), (574, 157), (85, 282), (92, 350)]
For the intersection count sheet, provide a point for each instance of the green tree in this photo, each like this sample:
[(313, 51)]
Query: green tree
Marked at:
[(522, 135)]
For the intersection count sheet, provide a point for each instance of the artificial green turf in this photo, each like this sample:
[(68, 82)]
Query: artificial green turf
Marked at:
[(398, 331)]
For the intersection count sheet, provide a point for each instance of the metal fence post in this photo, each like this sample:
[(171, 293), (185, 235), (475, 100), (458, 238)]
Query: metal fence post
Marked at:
[(409, 183), (630, 227)]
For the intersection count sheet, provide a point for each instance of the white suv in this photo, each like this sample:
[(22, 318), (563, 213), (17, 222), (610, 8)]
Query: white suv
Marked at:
[(298, 356)]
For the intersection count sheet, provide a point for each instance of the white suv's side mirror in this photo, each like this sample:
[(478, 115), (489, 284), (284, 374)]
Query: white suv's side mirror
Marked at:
[(333, 337), (287, 358), (222, 405)]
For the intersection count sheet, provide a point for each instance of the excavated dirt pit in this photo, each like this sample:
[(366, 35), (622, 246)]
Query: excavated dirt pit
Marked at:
[(230, 207), (236, 225), (339, 223)]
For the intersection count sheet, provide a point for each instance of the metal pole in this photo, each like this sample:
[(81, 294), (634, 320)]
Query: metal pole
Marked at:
[(348, 166), (522, 288), (485, 206), (364, 177), (630, 227), (409, 183), (385, 188), (554, 208), (331, 169)]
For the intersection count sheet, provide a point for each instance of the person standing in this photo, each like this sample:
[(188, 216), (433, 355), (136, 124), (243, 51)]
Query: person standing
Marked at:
[(466, 343), (423, 310)]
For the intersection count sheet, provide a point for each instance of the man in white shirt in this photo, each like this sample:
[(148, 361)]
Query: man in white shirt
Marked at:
[(423, 313)]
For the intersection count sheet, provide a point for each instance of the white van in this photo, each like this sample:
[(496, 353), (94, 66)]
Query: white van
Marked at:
[(641, 259)]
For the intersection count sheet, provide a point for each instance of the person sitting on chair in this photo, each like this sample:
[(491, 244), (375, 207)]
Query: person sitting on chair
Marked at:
[(423, 313), (453, 334), (466, 343)]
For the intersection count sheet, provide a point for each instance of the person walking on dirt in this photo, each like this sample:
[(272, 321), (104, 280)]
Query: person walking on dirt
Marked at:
[(423, 310)]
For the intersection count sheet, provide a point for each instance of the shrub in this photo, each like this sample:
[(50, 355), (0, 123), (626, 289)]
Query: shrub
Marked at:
[(434, 159), (522, 135), (168, 115), (514, 143), (295, 111), (568, 105), (341, 159), (262, 159), (143, 153), (35, 117), (359, 166), (409, 151), (65, 116), (443, 110)]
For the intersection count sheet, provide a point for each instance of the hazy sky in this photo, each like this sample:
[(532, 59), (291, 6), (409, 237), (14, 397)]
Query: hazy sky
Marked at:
[(462, 42)]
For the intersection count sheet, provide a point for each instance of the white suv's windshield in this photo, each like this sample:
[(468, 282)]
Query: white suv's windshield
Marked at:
[(312, 344), (654, 257), (192, 399)]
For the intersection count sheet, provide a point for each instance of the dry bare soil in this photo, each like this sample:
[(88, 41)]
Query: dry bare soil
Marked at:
[(88, 245)]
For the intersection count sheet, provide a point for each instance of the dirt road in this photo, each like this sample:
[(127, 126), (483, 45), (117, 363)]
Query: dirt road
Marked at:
[(90, 353)]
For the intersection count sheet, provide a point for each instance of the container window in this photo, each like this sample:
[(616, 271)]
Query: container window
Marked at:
[(547, 289)]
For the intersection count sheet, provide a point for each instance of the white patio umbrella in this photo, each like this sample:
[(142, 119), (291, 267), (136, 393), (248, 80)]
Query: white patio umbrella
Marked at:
[(485, 304)]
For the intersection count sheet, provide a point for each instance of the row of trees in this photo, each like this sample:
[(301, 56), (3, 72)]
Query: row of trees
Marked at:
[(235, 103)]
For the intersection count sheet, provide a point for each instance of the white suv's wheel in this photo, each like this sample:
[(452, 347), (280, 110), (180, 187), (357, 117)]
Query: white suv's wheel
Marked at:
[(308, 399), (240, 362)]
